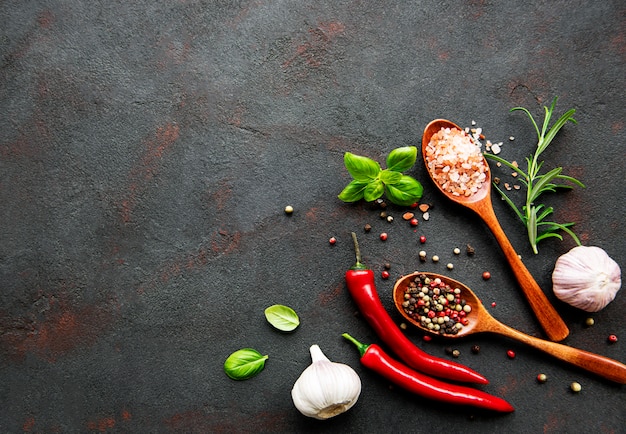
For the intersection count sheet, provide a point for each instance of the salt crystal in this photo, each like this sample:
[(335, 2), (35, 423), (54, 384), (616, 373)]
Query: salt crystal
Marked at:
[(495, 149)]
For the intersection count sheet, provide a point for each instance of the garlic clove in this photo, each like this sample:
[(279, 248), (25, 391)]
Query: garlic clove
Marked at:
[(325, 389), (586, 278)]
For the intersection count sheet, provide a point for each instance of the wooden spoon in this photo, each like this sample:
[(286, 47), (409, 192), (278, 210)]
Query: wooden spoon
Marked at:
[(480, 202), (481, 321)]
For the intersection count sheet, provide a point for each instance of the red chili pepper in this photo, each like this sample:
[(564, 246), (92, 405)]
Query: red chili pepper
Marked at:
[(362, 288), (374, 358)]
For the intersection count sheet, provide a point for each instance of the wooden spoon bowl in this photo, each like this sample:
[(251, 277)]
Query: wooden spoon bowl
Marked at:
[(480, 202), (479, 320)]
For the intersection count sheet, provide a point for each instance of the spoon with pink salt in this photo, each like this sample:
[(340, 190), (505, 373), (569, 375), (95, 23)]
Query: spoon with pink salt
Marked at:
[(468, 183)]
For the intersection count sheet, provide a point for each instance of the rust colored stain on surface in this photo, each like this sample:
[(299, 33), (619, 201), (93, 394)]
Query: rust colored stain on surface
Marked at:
[(28, 424), (101, 425), (54, 332), (313, 51), (147, 166), (329, 295)]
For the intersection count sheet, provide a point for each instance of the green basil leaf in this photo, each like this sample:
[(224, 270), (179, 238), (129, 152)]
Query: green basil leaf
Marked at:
[(361, 168), (404, 192), (374, 190), (390, 176), (353, 191), (244, 364), (282, 317), (402, 159)]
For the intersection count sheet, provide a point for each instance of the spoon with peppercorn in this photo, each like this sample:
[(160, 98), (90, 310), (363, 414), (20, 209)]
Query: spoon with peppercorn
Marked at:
[(461, 173), (446, 307)]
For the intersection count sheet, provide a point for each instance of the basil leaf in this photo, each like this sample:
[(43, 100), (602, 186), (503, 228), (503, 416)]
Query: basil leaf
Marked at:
[(404, 192), (361, 168), (282, 317), (374, 190), (390, 176), (244, 364), (402, 159), (353, 191)]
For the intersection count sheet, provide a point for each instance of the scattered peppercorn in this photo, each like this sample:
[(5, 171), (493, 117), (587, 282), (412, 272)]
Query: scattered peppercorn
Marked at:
[(435, 258), (422, 255), (387, 265), (589, 322), (510, 354), (413, 222), (450, 266), (427, 338), (332, 241), (389, 218), (448, 350), (612, 338), (288, 209), (422, 239), (475, 349), (542, 378), (456, 353), (470, 250), (413, 205), (383, 236), (367, 227), (383, 215), (486, 275), (385, 274), (456, 251), (576, 387), (493, 304)]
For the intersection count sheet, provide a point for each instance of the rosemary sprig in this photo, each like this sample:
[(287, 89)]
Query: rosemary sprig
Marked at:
[(534, 215)]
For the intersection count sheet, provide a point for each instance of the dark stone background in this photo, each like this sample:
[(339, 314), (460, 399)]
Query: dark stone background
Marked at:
[(148, 149)]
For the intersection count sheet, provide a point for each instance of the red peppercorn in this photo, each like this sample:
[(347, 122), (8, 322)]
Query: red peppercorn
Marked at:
[(493, 304), (413, 205), (422, 239), (332, 241), (486, 275), (383, 236), (612, 338), (413, 222), (385, 274), (427, 338), (510, 354)]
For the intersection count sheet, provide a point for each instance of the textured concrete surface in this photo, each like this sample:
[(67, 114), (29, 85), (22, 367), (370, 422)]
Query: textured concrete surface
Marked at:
[(148, 149)]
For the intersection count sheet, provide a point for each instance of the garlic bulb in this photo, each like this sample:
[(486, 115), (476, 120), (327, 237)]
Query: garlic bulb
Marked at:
[(586, 278), (325, 389)]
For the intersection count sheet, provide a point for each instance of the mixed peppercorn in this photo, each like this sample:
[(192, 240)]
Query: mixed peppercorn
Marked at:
[(436, 305)]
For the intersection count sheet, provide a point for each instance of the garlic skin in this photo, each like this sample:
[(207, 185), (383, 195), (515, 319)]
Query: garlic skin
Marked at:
[(586, 278), (325, 389)]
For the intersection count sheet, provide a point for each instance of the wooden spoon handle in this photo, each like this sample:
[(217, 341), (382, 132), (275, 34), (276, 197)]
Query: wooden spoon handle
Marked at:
[(600, 365), (550, 320)]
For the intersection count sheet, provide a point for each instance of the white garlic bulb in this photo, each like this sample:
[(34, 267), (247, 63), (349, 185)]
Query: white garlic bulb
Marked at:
[(325, 389), (586, 278)]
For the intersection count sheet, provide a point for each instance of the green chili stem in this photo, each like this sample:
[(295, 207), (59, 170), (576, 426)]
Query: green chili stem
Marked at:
[(357, 251), (361, 346)]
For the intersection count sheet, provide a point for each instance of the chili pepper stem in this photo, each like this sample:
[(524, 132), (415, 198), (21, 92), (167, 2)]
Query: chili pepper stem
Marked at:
[(357, 251), (361, 346)]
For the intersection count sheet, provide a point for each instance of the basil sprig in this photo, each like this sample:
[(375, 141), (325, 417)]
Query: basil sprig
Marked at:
[(244, 364), (370, 181)]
